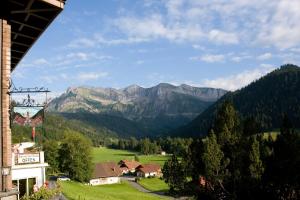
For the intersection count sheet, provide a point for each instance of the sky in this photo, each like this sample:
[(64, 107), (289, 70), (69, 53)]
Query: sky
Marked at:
[(206, 43)]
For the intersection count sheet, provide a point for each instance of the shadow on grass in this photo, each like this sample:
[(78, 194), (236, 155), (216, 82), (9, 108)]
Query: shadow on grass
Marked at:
[(124, 154)]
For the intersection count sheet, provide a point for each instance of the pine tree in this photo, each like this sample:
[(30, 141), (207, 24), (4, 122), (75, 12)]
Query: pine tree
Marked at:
[(227, 124), (212, 159), (256, 168), (174, 174)]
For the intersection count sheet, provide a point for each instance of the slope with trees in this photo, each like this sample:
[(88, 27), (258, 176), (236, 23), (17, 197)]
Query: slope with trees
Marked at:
[(263, 103), (230, 164)]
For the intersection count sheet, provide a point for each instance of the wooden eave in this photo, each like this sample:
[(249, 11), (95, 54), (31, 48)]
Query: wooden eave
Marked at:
[(28, 19)]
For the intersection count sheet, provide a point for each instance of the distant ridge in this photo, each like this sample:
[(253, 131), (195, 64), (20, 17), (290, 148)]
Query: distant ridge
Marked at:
[(151, 111)]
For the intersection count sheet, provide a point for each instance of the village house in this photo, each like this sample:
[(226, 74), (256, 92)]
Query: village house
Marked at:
[(106, 173), (128, 166), (28, 168), (148, 170)]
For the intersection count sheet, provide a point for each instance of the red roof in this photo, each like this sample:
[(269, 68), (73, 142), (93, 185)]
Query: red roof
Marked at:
[(148, 168), (106, 169), (130, 164)]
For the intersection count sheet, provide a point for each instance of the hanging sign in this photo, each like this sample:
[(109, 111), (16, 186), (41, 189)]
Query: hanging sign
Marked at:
[(28, 116)]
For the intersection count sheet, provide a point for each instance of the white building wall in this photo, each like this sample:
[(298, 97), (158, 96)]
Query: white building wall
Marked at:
[(104, 181), (141, 174), (33, 172)]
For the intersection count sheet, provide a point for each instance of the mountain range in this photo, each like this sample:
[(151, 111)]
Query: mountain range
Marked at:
[(264, 101), (134, 110)]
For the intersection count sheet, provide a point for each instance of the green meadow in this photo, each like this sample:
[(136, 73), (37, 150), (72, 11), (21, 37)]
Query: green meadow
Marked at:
[(102, 154), (123, 191), (154, 184)]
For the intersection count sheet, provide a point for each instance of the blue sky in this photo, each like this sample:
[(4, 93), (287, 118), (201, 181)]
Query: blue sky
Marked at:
[(116, 43)]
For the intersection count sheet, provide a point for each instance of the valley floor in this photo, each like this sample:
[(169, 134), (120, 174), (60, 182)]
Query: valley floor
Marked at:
[(123, 191), (103, 154), (147, 188)]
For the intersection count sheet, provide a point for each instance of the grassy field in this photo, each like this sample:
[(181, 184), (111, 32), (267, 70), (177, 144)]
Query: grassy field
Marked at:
[(123, 191), (273, 135), (154, 184), (102, 154)]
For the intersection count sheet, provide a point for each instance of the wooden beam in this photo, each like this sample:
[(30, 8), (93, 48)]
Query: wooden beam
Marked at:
[(18, 58), (33, 27), (17, 51), (40, 17), (33, 10), (26, 18), (17, 3), (21, 44), (23, 35)]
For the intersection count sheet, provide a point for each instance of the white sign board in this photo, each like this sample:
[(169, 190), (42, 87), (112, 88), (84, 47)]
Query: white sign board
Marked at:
[(28, 158)]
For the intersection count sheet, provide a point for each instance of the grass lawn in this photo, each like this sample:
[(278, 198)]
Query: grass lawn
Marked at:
[(154, 184), (102, 154), (273, 135), (123, 191)]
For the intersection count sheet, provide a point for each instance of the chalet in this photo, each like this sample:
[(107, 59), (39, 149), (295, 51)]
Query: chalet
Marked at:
[(128, 166), (148, 170), (106, 173)]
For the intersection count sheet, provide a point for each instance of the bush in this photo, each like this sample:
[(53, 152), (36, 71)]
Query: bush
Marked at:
[(43, 194)]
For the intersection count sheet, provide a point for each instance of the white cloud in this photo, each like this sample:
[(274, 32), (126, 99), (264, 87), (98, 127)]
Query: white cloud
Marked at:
[(210, 58), (240, 80), (40, 61), (82, 43), (264, 56), (153, 27), (88, 76), (221, 37), (37, 63), (139, 62), (283, 27), (197, 46)]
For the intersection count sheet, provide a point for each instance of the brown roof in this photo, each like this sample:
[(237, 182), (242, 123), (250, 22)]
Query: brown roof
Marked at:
[(106, 169), (130, 164), (147, 168)]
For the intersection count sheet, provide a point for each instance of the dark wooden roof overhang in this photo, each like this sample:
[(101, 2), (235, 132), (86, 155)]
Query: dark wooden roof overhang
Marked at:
[(28, 19)]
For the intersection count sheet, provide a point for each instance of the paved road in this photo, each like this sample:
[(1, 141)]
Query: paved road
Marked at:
[(52, 185)]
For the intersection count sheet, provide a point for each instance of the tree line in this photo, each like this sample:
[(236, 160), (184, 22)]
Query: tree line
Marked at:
[(234, 162), (146, 146)]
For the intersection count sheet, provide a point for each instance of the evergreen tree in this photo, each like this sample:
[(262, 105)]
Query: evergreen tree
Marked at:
[(227, 124), (174, 175), (256, 168), (282, 176), (212, 158)]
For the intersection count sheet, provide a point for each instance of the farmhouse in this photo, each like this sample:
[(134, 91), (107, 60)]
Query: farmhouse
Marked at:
[(128, 166), (148, 170), (106, 173)]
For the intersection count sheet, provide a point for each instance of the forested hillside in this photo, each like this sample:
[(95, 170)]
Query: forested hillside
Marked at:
[(55, 126), (263, 103)]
